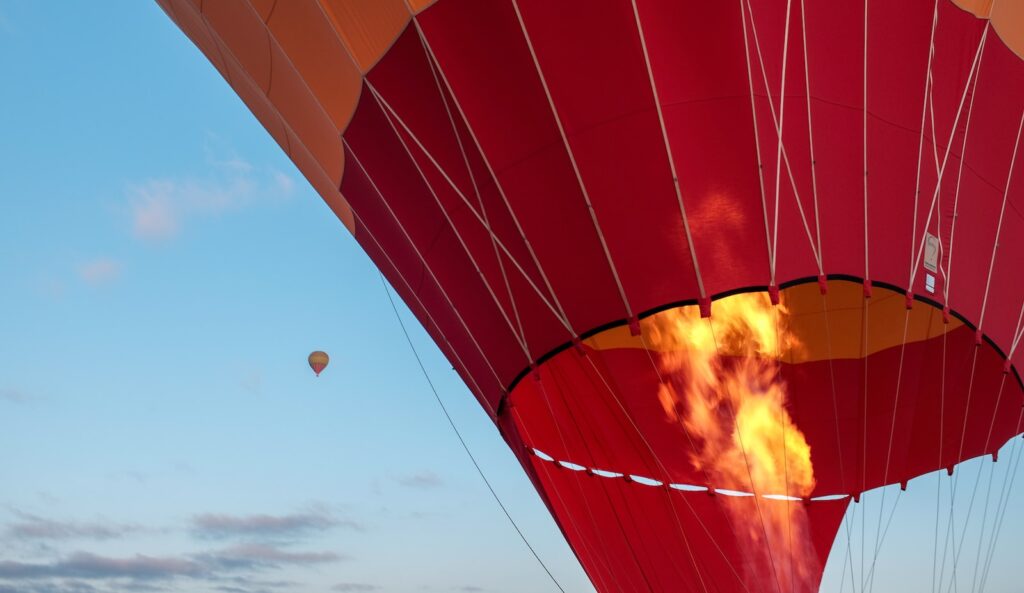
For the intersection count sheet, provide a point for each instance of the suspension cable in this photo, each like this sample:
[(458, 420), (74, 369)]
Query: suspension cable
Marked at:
[(462, 441)]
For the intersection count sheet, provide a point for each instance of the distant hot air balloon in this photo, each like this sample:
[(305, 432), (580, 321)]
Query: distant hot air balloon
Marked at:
[(571, 197), (318, 361)]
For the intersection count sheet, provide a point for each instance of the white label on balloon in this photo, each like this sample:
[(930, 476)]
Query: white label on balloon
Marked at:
[(929, 283), (931, 252)]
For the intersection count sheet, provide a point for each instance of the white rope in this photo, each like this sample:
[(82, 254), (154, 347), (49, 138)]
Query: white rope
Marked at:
[(466, 372), (665, 484), (950, 531), (950, 537), (465, 368), (888, 456), (839, 444), (1018, 332), (557, 313), (958, 547), (455, 98), (951, 526), (426, 266), (982, 317), (604, 473), (896, 400), (810, 141), (984, 515), (880, 542), (995, 413), (879, 534), (948, 273), (560, 313), (664, 473), (668, 151), (938, 474), (867, 273), (572, 160), (865, 321), (572, 521), (757, 139), (780, 127), (973, 73), (967, 407), (988, 440), (999, 226), (931, 118), (920, 142), (693, 448), (849, 517), (778, 132), (476, 190), (476, 267), (997, 522), (1011, 475)]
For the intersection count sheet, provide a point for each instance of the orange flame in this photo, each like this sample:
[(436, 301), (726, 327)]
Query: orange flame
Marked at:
[(721, 382)]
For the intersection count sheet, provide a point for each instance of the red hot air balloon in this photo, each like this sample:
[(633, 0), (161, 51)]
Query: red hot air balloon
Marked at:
[(718, 259), (318, 361)]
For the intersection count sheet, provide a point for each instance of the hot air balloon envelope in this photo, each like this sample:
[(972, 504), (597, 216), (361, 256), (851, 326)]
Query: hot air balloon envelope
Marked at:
[(318, 361), (638, 228)]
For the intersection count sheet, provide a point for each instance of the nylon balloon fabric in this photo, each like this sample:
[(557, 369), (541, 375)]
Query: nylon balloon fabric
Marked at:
[(714, 269)]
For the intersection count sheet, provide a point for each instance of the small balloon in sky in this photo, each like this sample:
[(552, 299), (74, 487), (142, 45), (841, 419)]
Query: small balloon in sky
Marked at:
[(318, 361)]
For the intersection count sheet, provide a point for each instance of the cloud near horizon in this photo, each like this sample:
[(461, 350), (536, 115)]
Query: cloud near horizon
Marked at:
[(38, 528), (270, 543), (251, 556), (354, 587), (85, 565), (214, 565), (221, 526)]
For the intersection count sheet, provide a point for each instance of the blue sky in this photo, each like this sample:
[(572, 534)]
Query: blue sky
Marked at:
[(164, 270)]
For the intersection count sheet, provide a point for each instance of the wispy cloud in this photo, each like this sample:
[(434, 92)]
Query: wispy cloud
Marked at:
[(283, 183), (161, 206), (13, 395), (354, 587), (99, 271), (141, 568), (63, 586), (90, 566), (421, 479), (213, 525), (232, 163), (155, 216), (251, 556), (34, 527)]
